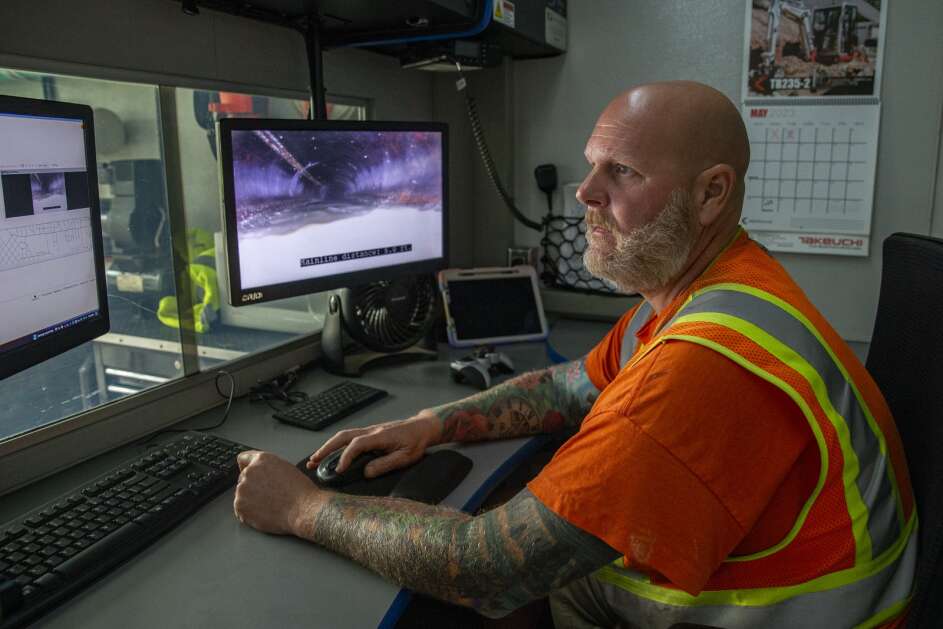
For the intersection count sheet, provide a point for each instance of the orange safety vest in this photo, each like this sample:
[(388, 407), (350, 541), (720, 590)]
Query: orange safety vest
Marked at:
[(849, 558)]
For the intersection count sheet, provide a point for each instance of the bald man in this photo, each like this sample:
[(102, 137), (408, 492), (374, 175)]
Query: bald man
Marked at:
[(733, 465)]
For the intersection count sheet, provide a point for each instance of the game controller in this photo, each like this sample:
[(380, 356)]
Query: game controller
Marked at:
[(478, 368)]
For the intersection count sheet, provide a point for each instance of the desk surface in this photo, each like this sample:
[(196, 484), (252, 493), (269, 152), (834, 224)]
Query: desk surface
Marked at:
[(211, 571)]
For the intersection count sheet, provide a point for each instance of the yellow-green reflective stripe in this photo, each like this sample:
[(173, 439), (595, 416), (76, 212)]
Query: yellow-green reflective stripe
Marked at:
[(873, 480), (856, 508), (755, 597), (869, 417), (810, 418), (885, 614)]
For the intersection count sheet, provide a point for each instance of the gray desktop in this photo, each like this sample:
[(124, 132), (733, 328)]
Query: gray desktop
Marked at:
[(211, 571)]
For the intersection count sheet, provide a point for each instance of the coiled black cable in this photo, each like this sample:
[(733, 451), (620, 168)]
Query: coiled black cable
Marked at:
[(479, 135)]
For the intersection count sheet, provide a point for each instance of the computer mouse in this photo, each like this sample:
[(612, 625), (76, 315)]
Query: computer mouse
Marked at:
[(327, 470)]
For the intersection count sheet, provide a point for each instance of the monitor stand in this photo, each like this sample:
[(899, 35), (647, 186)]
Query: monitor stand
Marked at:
[(353, 362)]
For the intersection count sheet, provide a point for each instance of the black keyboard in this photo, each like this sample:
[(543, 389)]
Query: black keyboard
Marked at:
[(51, 553), (330, 405)]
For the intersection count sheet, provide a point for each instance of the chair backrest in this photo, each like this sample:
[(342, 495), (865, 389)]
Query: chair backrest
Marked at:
[(906, 361)]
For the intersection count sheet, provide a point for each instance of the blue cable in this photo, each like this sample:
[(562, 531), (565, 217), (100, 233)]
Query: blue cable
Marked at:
[(554, 356), (474, 30)]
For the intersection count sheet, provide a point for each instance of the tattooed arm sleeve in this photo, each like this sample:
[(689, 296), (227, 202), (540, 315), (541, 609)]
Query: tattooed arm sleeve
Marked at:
[(540, 401), (494, 563)]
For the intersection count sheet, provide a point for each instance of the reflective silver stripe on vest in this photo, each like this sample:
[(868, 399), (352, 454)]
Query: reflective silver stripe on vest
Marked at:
[(873, 481), (843, 606), (629, 341)]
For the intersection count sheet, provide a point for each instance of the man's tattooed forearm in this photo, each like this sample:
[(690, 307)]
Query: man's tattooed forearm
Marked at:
[(540, 401), (494, 563), (576, 393)]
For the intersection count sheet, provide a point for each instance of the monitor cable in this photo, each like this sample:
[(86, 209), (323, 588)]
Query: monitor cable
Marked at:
[(278, 389), (553, 355), (222, 420), (479, 134)]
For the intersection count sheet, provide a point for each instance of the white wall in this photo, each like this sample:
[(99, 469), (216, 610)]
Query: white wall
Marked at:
[(615, 44)]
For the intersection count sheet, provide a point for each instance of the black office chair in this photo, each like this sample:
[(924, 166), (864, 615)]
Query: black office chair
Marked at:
[(906, 361)]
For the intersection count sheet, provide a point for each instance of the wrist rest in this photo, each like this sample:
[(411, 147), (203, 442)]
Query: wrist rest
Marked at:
[(429, 480)]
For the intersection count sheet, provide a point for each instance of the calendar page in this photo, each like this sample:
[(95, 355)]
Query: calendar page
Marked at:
[(811, 176)]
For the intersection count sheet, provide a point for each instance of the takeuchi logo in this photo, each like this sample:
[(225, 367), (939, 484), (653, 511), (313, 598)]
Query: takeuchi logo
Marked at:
[(828, 241)]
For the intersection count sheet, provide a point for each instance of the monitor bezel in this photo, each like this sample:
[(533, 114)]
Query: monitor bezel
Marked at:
[(240, 297), (22, 357)]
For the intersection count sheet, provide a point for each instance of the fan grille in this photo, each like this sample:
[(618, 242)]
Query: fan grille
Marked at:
[(391, 315)]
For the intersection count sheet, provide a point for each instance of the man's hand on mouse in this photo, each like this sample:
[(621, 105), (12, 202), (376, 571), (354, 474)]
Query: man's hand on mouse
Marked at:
[(273, 496), (404, 442)]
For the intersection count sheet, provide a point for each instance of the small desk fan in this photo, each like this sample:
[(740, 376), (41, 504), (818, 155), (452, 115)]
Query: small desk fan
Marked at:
[(390, 321)]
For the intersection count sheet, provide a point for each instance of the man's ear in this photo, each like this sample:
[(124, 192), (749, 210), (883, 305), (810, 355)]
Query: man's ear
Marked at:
[(714, 189)]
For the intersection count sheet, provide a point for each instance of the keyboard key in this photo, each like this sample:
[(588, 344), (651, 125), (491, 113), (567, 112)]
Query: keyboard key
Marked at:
[(30, 592), (14, 532), (99, 553), (36, 571)]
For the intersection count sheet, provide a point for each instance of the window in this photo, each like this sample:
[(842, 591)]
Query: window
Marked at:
[(144, 347), (137, 250)]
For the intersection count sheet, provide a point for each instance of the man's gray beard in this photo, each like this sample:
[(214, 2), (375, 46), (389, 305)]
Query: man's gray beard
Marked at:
[(650, 256)]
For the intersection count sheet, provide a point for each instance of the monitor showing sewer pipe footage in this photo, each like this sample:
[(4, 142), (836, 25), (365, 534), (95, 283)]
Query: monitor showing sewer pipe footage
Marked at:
[(316, 205)]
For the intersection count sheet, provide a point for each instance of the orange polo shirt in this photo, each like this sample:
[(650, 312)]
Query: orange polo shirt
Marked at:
[(683, 460)]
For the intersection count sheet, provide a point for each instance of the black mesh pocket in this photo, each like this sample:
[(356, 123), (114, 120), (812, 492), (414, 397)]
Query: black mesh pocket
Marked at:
[(564, 243)]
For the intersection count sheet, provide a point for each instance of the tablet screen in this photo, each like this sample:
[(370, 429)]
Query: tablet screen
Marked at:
[(492, 308)]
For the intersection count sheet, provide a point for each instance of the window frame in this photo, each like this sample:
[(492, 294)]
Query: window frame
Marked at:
[(28, 457)]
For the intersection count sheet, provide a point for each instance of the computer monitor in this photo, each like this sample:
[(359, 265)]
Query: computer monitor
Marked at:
[(312, 205), (52, 269)]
